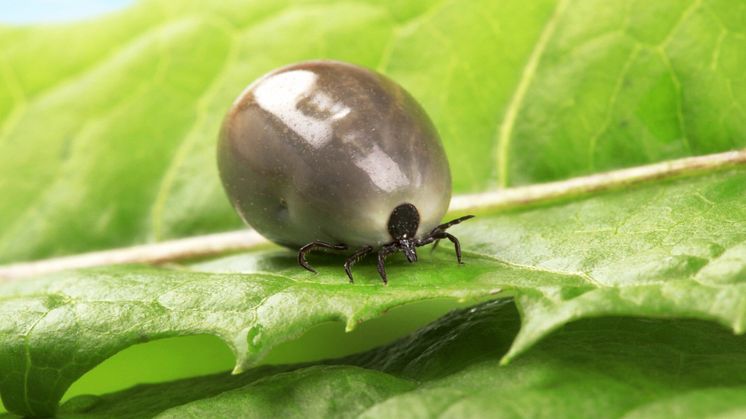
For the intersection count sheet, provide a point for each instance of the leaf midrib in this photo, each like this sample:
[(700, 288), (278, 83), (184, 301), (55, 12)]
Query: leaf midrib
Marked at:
[(506, 199)]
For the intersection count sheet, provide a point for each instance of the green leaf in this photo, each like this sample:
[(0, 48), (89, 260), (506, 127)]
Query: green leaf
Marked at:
[(670, 248), (520, 91), (615, 367), (676, 248), (64, 325)]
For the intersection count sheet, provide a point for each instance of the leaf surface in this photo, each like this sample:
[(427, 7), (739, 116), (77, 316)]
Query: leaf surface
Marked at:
[(671, 248), (622, 367)]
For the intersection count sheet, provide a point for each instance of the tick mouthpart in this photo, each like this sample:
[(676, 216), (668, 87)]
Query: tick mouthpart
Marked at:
[(409, 250)]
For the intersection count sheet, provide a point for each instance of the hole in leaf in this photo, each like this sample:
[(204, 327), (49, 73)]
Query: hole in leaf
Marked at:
[(189, 356), (329, 340), (155, 361)]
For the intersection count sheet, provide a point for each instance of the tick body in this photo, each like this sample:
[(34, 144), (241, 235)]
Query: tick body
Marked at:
[(324, 154)]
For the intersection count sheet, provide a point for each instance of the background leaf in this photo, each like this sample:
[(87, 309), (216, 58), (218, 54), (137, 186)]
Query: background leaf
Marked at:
[(521, 92)]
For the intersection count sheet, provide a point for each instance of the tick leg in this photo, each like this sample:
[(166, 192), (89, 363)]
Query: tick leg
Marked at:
[(426, 240), (382, 255), (452, 223), (316, 244), (436, 235), (430, 238), (457, 245), (381, 268), (355, 258)]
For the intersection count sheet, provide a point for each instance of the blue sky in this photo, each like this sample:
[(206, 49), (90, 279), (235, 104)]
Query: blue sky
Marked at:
[(21, 12)]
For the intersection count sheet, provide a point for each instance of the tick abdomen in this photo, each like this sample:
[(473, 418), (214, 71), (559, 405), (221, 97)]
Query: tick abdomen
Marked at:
[(326, 151)]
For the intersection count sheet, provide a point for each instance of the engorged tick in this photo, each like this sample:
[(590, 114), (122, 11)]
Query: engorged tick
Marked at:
[(329, 155)]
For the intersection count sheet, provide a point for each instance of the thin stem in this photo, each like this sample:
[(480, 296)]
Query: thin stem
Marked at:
[(211, 244), (545, 192)]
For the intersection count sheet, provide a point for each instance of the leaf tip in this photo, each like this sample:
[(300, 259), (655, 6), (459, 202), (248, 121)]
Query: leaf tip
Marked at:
[(351, 324), (243, 363), (509, 356)]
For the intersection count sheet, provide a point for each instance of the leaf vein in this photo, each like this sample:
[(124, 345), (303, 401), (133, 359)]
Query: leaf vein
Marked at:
[(505, 130)]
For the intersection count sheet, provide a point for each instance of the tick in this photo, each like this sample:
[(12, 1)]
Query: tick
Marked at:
[(329, 155)]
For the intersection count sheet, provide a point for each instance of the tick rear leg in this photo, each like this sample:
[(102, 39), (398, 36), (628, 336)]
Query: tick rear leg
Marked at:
[(314, 245), (355, 258)]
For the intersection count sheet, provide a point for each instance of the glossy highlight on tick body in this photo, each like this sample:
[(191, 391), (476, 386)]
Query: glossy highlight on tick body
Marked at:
[(325, 154)]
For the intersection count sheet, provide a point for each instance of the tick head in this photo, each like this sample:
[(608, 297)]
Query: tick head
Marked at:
[(403, 222)]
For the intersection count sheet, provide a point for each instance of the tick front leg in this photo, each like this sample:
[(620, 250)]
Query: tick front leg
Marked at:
[(457, 245), (314, 245), (437, 235), (382, 255), (452, 223), (355, 258)]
